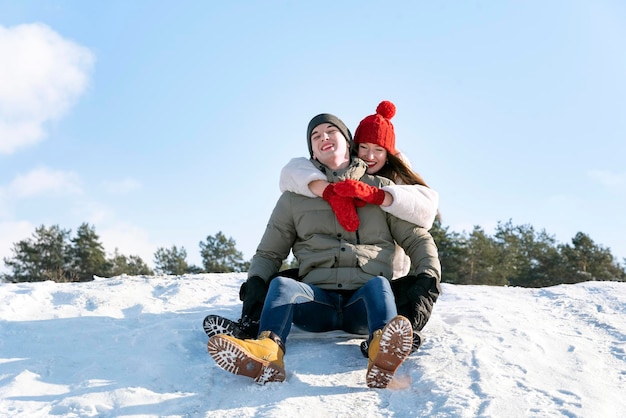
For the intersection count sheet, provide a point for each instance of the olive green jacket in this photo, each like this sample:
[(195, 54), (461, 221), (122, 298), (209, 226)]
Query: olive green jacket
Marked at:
[(331, 257)]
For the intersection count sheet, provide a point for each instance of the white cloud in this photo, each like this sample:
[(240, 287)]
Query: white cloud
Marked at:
[(608, 179), (41, 76), (43, 181), (129, 240), (93, 212), (4, 203), (124, 186)]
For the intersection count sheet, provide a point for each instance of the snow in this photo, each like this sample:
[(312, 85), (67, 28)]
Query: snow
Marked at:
[(134, 346)]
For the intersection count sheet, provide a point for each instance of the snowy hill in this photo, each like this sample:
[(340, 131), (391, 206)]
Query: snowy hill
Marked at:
[(134, 346)]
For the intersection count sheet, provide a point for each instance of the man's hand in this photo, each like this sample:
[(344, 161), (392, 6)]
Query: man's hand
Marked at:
[(252, 293)]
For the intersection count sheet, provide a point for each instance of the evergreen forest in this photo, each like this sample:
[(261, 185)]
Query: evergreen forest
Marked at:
[(514, 255)]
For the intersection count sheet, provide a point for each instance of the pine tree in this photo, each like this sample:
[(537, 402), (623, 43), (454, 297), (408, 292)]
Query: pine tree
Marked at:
[(452, 249), (131, 265), (171, 261), (485, 260), (219, 255), (589, 261), (87, 254), (42, 257)]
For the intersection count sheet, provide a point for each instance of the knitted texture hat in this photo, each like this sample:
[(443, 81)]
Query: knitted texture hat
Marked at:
[(378, 129), (333, 120)]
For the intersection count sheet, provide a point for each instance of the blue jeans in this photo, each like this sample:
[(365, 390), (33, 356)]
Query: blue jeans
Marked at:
[(318, 310)]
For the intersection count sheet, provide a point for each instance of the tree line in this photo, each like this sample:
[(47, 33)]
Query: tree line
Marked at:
[(518, 255), (50, 254), (515, 255)]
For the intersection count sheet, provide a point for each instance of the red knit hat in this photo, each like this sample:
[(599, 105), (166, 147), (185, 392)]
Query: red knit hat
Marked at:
[(377, 129)]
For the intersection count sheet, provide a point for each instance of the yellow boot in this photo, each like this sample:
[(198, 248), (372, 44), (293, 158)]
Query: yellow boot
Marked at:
[(389, 347), (260, 359)]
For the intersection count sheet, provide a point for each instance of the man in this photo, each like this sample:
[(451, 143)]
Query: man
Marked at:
[(345, 257)]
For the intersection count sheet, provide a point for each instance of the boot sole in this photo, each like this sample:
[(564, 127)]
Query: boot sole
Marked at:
[(236, 360), (215, 325), (396, 342)]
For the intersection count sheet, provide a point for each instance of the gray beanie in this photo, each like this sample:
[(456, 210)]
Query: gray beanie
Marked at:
[(333, 120)]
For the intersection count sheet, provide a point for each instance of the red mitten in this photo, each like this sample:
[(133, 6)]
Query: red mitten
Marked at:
[(344, 208), (360, 190)]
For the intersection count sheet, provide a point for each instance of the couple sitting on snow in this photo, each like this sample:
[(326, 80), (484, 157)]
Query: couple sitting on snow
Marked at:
[(345, 226)]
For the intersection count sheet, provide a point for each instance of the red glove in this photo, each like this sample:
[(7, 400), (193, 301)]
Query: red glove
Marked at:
[(360, 190), (344, 208)]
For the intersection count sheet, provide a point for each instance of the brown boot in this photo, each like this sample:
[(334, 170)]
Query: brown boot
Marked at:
[(260, 359), (389, 347)]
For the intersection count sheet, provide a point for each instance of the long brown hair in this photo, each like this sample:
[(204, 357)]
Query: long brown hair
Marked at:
[(398, 171)]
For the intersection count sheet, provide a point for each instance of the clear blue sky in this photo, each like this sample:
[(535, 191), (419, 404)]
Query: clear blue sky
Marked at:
[(163, 122)]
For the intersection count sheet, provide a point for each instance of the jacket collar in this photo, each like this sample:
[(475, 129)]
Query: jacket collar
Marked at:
[(355, 170)]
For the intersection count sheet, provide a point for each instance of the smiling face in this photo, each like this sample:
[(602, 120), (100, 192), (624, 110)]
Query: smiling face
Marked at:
[(329, 146), (374, 156)]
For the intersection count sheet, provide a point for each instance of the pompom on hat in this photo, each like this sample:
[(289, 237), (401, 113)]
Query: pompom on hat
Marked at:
[(378, 129)]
